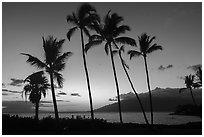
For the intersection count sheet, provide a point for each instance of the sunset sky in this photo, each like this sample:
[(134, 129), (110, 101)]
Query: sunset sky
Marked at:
[(177, 27)]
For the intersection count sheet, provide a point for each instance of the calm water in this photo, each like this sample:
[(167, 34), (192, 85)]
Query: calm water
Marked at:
[(128, 117)]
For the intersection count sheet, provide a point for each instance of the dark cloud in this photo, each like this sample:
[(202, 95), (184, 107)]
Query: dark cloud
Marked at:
[(62, 93), (16, 82), (112, 99), (3, 85), (194, 67), (127, 96), (75, 94), (4, 94), (162, 68)]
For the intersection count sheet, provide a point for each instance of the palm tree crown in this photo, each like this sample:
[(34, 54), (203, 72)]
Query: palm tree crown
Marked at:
[(109, 32), (145, 45), (83, 19), (37, 85)]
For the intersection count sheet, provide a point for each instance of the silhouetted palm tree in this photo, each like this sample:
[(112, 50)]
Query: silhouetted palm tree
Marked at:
[(125, 67), (109, 32), (54, 63), (146, 47), (198, 75), (83, 20), (189, 82), (37, 84)]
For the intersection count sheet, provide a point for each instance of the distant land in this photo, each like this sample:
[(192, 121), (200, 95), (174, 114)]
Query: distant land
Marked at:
[(164, 100)]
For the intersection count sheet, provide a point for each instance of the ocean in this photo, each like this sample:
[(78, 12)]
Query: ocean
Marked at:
[(128, 117)]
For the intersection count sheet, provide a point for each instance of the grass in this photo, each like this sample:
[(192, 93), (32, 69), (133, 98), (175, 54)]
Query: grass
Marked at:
[(15, 125)]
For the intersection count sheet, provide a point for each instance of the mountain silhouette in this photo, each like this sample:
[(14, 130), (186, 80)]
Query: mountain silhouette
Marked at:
[(164, 100)]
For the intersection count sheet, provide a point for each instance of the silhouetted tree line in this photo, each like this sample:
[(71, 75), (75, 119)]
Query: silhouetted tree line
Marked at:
[(107, 31)]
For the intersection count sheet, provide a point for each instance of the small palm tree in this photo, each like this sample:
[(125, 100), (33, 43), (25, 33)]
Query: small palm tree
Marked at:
[(37, 85), (189, 82), (109, 32), (146, 47), (125, 67), (83, 20), (54, 63), (198, 75)]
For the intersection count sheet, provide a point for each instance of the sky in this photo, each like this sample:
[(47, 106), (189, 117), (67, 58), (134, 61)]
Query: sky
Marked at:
[(177, 27)]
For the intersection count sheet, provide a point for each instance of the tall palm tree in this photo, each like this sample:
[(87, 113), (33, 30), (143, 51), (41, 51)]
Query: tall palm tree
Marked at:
[(53, 63), (83, 20), (125, 67), (146, 47), (189, 82), (37, 85), (109, 32)]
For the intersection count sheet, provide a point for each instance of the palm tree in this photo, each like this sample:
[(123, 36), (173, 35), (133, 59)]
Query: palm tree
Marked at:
[(189, 82), (125, 67), (198, 75), (37, 85), (83, 20), (109, 32), (54, 63), (146, 47)]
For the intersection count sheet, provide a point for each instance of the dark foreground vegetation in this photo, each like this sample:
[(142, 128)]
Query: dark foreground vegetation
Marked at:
[(189, 110), (15, 125)]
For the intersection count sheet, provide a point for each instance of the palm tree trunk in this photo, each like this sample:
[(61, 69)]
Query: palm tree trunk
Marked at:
[(133, 89), (36, 110), (193, 97), (53, 97), (116, 83), (150, 96), (87, 75)]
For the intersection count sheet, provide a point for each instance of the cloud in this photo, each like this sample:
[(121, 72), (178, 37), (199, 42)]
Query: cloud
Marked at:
[(194, 67), (16, 82), (3, 85), (4, 94), (112, 99), (162, 68), (62, 93), (75, 94)]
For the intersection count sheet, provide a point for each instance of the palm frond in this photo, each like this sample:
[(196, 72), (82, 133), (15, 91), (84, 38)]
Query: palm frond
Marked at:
[(71, 32), (62, 58), (59, 79), (126, 40), (34, 61), (182, 90), (92, 44), (153, 38), (154, 47), (134, 53), (121, 29), (34, 76)]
